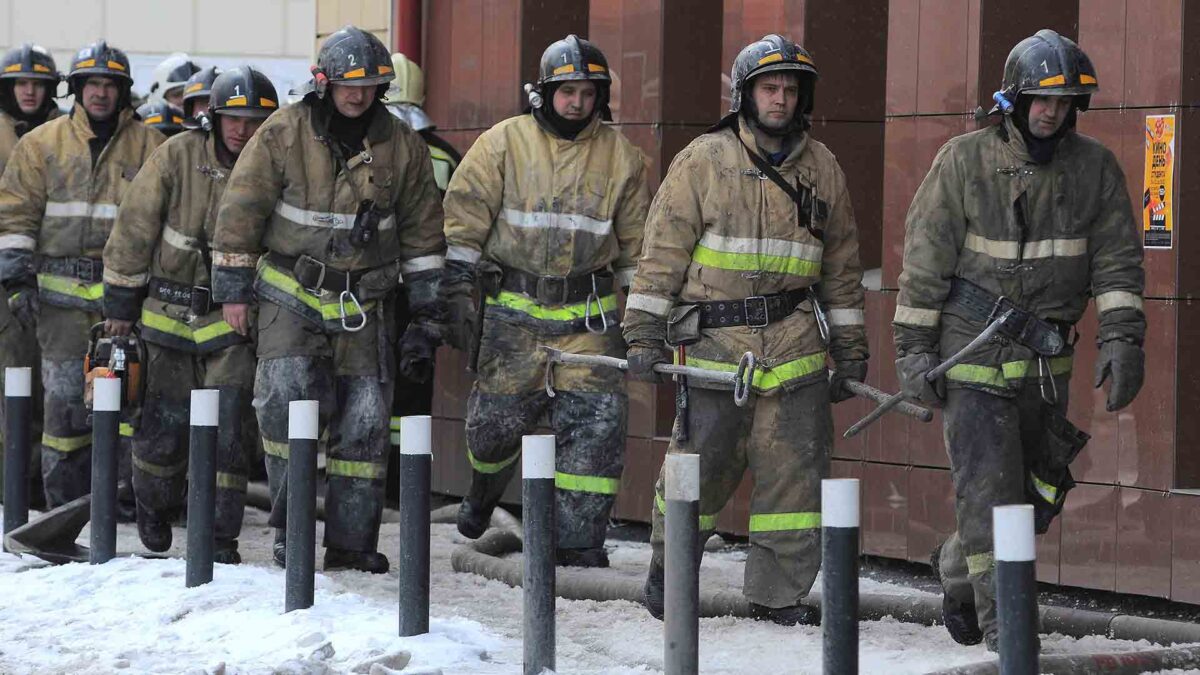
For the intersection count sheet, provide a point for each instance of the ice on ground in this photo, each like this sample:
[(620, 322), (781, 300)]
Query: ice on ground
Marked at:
[(134, 615)]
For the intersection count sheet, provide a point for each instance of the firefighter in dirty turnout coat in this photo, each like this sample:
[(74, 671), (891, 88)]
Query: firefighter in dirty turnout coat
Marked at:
[(768, 267), (156, 272), (1030, 217), (547, 211), (58, 199), (330, 205), (28, 85)]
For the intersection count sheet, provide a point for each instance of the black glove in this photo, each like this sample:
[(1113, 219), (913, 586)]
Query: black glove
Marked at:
[(417, 347), (1126, 363), (462, 318), (23, 304), (643, 357), (845, 371), (911, 371)]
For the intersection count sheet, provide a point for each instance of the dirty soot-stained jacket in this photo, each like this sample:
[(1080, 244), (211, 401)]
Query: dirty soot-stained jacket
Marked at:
[(289, 195), (719, 231), (55, 204), (1046, 236)]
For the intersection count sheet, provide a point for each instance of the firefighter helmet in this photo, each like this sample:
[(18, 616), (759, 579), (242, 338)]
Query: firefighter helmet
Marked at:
[(1047, 64), (243, 92), (352, 56), (198, 86), (172, 74), (772, 53), (100, 59), (409, 85), (29, 61), (573, 58), (162, 116)]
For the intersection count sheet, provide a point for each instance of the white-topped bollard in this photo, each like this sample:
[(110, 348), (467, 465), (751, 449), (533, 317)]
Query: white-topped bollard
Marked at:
[(839, 574), (1015, 549), (18, 417), (681, 593), (301, 556), (537, 576), (416, 470), (202, 486), (106, 424)]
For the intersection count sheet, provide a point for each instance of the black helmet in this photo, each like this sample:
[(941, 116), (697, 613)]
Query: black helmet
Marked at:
[(99, 59), (772, 53), (355, 57), (29, 61), (1047, 64), (242, 92), (198, 86), (573, 58), (162, 116)]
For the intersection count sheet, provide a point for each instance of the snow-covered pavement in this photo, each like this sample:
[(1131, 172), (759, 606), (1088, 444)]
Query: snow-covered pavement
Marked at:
[(133, 615)]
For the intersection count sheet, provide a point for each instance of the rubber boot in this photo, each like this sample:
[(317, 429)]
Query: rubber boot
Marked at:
[(279, 549), (154, 532), (793, 615), (473, 519), (654, 590), (225, 551), (961, 619), (363, 561), (581, 557)]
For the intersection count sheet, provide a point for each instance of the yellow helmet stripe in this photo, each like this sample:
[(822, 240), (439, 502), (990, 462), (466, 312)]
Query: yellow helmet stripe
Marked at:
[(770, 58), (360, 72), (194, 87), (267, 103), (116, 66), (596, 68), (235, 100), (569, 68), (1086, 79), (1051, 81), (87, 63), (13, 68)]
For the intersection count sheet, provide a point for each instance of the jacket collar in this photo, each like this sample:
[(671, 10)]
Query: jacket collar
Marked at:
[(79, 121), (746, 134)]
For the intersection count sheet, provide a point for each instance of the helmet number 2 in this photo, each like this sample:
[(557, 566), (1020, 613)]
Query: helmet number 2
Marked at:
[(351, 57)]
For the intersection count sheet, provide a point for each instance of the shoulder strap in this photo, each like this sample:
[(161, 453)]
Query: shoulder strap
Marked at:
[(804, 200)]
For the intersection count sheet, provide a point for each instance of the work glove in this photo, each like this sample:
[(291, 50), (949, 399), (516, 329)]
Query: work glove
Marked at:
[(23, 304), (642, 358), (845, 371), (911, 371), (417, 347), (462, 318), (1126, 362)]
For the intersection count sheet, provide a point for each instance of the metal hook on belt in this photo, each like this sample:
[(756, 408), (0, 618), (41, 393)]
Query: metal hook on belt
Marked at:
[(548, 383), (342, 312), (1043, 366), (745, 378), (587, 310), (822, 319)]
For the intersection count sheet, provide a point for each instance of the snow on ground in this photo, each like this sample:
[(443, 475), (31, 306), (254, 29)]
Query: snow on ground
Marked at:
[(134, 615)]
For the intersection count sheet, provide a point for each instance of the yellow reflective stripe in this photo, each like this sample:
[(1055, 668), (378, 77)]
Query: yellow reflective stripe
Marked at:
[(165, 324), (523, 303), (394, 426), (766, 379), (72, 287), (353, 469), (594, 484), (784, 522), (125, 429), (275, 448), (917, 316), (755, 261), (160, 470), (1046, 490), (329, 311), (707, 522), (490, 467), (980, 563), (1118, 300), (66, 443), (1012, 370), (231, 481)]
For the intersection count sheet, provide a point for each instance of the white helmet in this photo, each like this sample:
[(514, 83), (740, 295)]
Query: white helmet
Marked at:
[(171, 74)]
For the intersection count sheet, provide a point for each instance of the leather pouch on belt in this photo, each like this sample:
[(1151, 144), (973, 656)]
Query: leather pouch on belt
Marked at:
[(490, 277), (379, 282), (683, 325), (1050, 478)]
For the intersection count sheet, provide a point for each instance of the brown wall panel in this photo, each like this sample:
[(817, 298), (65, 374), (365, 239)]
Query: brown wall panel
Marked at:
[(1097, 462), (1144, 543), (1187, 191), (1049, 548), (1004, 23), (1187, 375), (1089, 539), (885, 510), (930, 511), (943, 53), (451, 383), (1146, 429), (543, 22), (1152, 63), (636, 498), (859, 148), (1099, 22), (748, 20), (1185, 548), (848, 41), (630, 33), (904, 27), (735, 517)]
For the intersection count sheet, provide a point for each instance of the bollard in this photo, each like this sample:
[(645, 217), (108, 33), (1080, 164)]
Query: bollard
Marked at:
[(106, 422), (416, 462), (839, 575), (681, 483), (18, 412), (202, 486), (537, 577), (301, 505), (1016, 588)]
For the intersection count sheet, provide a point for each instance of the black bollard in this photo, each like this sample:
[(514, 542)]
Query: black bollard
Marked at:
[(681, 483), (18, 412), (106, 423), (301, 505), (839, 575), (1016, 588), (202, 486), (537, 577), (416, 464)]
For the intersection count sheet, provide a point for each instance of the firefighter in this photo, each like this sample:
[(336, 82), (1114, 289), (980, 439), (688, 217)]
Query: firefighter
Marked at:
[(28, 85), (196, 94), (156, 269), (547, 211), (58, 199), (1032, 217), (337, 198), (751, 245), (164, 117), (170, 78)]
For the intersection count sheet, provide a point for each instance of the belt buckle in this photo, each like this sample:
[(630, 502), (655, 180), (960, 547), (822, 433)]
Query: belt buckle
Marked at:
[(752, 319), (85, 270), (317, 288), (999, 307), (201, 300), (549, 294)]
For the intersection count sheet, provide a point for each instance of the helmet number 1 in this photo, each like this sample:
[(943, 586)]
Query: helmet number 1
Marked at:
[(1045, 68)]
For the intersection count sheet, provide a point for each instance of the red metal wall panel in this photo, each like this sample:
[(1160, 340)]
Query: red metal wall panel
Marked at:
[(930, 511), (1089, 537), (1185, 547), (1144, 543), (885, 510)]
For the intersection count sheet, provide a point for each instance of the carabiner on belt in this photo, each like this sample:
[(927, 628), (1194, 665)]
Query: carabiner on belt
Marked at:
[(342, 312), (594, 296), (1043, 368)]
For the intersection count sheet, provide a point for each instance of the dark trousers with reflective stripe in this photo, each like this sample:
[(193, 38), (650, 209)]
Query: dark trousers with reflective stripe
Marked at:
[(160, 443), (19, 348), (993, 442), (785, 440)]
